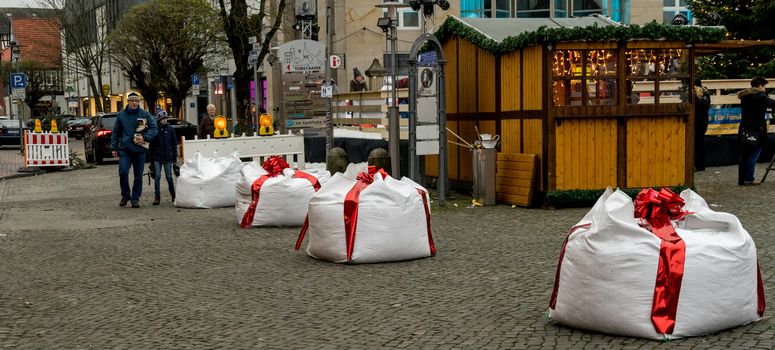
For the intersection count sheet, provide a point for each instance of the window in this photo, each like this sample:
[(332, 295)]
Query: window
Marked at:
[(407, 18), (533, 8), (484, 8), (584, 77), (672, 8), (656, 76), (583, 8), (561, 8)]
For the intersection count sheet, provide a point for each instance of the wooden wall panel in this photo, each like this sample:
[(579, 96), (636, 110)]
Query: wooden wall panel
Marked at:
[(485, 81), (510, 82), (432, 165), (586, 154), (655, 152), (533, 142), (510, 136), (467, 77), (533, 78), (452, 151), (450, 73)]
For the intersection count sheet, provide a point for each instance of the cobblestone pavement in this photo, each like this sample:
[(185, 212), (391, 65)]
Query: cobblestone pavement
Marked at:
[(10, 160), (79, 272)]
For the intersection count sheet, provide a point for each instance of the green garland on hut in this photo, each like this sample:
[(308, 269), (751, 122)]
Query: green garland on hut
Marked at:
[(652, 31)]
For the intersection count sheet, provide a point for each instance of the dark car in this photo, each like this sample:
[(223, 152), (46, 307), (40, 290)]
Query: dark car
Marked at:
[(10, 132), (78, 128), (183, 128), (96, 140)]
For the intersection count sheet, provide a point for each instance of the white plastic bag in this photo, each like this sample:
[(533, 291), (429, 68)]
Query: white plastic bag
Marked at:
[(393, 220), (607, 275), (283, 199), (208, 182)]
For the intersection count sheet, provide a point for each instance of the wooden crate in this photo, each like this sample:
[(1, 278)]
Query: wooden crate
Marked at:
[(515, 178)]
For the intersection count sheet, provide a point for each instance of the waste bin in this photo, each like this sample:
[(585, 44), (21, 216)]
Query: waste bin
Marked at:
[(484, 175)]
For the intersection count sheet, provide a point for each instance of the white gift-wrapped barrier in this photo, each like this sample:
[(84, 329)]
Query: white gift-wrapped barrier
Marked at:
[(273, 194), (657, 269), (208, 182), (360, 217)]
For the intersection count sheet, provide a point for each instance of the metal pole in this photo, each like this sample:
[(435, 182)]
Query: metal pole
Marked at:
[(442, 108), (257, 88), (413, 161), (233, 105), (394, 131), (329, 73)]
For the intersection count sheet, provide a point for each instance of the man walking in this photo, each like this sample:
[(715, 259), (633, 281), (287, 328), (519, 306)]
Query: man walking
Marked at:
[(752, 133), (207, 125), (133, 130)]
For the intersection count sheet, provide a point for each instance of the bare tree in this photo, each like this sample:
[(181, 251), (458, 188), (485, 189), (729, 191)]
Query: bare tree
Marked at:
[(240, 24), (173, 42), (84, 27)]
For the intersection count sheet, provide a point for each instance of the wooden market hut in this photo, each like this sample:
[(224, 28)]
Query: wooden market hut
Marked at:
[(597, 103)]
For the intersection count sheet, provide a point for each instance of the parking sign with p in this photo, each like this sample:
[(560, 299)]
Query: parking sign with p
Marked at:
[(18, 80)]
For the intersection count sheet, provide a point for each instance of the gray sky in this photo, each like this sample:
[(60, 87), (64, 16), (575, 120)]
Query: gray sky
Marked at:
[(16, 3)]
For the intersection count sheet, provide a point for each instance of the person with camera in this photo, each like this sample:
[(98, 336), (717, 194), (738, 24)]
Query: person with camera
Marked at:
[(752, 134), (164, 153), (133, 130)]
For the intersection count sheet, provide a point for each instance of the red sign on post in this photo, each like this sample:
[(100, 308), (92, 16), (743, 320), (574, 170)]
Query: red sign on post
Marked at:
[(334, 61)]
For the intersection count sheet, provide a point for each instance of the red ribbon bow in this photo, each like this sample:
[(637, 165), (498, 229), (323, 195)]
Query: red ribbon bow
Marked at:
[(368, 177), (274, 166)]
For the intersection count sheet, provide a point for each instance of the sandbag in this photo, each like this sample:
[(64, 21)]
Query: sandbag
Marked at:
[(208, 182), (359, 217), (626, 274), (283, 195)]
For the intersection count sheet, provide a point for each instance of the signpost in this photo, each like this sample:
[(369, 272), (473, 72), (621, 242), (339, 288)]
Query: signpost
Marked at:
[(303, 85)]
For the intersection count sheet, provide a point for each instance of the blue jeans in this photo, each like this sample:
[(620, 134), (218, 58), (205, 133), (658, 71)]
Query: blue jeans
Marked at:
[(137, 162), (167, 173), (747, 165)]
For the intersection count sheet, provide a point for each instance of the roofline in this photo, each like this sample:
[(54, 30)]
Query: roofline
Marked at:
[(474, 28)]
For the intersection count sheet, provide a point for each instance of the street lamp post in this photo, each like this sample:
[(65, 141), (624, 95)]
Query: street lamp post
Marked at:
[(15, 56), (388, 25)]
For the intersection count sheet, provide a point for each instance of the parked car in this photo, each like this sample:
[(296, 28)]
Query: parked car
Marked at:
[(78, 128), (96, 140), (9, 132), (183, 128)]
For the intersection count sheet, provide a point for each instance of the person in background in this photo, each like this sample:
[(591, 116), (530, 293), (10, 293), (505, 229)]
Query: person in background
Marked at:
[(754, 102), (207, 125), (701, 107), (358, 83), (164, 153), (127, 145)]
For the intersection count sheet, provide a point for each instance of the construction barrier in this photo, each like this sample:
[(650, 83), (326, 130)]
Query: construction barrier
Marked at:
[(46, 149)]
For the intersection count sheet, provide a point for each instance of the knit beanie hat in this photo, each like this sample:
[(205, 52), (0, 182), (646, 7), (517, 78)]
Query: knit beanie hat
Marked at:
[(162, 115), (356, 72), (133, 96)]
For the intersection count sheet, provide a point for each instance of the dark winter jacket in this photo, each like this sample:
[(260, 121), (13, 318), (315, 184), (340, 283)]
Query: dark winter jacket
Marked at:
[(164, 148), (206, 127), (754, 103), (122, 138), (701, 107), (356, 86)]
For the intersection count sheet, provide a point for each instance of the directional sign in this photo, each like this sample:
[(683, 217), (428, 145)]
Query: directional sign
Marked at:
[(253, 53), (335, 61), (18, 80), (252, 61), (307, 123)]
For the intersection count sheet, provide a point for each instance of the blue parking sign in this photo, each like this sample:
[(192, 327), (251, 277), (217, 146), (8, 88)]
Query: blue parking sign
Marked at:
[(195, 79), (18, 80)]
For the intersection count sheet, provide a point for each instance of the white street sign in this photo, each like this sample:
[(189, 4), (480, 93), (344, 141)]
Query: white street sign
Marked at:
[(252, 40), (327, 91), (19, 93), (335, 61)]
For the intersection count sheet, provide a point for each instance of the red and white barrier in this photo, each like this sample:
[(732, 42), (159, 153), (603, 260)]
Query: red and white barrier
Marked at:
[(46, 149)]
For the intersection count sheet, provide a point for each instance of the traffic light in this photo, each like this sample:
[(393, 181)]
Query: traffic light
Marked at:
[(265, 125), (220, 127)]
